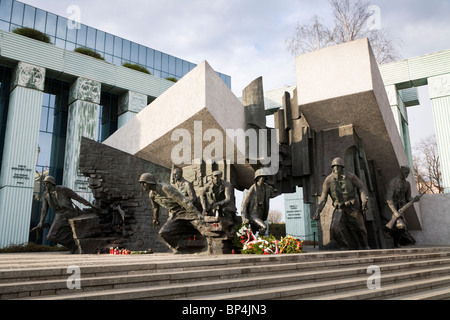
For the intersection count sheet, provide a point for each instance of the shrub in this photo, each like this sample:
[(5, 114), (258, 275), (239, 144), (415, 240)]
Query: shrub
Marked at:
[(136, 67), (89, 52), (31, 247), (33, 34), (172, 79)]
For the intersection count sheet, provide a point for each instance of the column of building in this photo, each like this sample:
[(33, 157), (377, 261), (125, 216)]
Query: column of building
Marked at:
[(401, 118), (439, 88), (130, 104), (20, 153), (83, 121)]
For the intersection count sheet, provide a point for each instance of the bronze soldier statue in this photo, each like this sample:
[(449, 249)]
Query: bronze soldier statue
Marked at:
[(181, 211), (342, 190), (255, 205), (60, 198), (398, 195), (185, 187), (217, 197)]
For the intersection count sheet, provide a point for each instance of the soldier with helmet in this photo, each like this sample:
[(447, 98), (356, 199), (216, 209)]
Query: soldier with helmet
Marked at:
[(342, 188), (255, 205), (217, 197), (164, 195), (60, 198), (398, 194)]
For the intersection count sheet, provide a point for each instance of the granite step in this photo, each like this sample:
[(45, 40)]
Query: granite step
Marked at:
[(212, 277), (348, 288), (279, 276), (275, 283)]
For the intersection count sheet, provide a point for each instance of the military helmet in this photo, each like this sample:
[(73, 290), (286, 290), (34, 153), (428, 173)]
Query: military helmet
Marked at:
[(259, 173), (217, 173), (337, 162), (147, 177), (50, 179)]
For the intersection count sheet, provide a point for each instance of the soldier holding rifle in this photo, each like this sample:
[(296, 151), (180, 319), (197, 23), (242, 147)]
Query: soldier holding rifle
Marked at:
[(398, 198)]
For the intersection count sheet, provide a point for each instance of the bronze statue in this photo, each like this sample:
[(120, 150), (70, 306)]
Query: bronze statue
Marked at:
[(342, 190), (185, 187), (60, 198), (217, 197), (180, 210), (398, 198), (255, 205)]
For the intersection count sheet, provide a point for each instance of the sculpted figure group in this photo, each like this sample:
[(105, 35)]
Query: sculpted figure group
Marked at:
[(216, 198), (348, 193), (349, 208)]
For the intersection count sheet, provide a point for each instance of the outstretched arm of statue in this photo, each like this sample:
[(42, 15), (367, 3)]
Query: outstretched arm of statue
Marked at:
[(74, 196), (391, 205), (322, 200), (44, 210), (319, 209), (245, 203), (203, 201), (155, 207)]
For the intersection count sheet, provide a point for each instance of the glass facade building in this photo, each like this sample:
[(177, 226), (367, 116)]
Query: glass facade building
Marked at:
[(53, 135), (113, 49)]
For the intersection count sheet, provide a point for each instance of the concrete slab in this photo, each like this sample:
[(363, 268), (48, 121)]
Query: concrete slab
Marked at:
[(198, 102), (342, 85)]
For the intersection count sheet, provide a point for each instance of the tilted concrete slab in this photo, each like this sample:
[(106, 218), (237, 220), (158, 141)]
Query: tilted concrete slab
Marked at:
[(342, 85), (198, 102)]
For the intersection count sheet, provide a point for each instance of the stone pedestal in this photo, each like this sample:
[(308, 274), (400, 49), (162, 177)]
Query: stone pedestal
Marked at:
[(20, 153)]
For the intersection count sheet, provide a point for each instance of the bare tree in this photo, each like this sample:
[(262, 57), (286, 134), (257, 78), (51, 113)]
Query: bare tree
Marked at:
[(309, 37), (427, 170), (350, 22), (275, 216)]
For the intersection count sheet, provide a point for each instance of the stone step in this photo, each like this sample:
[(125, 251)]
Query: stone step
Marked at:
[(162, 276), (95, 265), (347, 288), (431, 288), (290, 272), (59, 286), (346, 278), (433, 294)]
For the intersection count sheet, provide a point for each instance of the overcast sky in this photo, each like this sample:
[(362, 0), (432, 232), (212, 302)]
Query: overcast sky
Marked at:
[(246, 38)]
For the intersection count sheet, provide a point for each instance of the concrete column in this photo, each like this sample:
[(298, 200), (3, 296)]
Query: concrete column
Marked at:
[(83, 121), (20, 153), (439, 88), (129, 105)]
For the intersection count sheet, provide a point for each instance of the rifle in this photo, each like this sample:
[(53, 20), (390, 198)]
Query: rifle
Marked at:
[(394, 219), (44, 226)]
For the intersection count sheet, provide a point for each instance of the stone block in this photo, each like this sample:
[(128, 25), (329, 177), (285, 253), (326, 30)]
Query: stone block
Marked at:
[(342, 85), (197, 103)]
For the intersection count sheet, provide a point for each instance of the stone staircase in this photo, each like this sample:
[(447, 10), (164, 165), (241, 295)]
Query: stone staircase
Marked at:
[(409, 273)]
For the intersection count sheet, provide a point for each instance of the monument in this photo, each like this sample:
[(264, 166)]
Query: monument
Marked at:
[(200, 131)]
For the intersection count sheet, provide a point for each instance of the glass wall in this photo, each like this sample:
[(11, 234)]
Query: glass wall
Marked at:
[(109, 104), (113, 49)]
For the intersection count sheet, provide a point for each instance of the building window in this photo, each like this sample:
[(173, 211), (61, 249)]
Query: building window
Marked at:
[(109, 105)]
